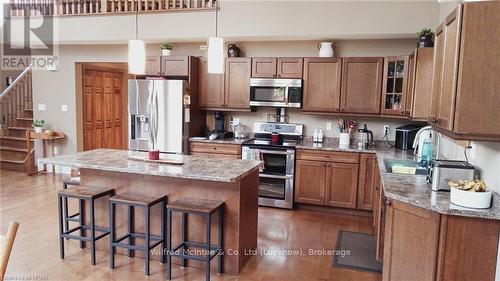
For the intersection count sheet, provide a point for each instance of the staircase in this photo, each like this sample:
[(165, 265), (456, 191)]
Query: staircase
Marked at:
[(16, 116)]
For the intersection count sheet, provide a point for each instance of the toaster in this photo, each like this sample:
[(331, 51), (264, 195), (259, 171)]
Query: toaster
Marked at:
[(440, 172)]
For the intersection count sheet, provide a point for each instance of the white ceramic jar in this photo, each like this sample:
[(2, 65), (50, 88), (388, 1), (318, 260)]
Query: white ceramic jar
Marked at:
[(325, 49)]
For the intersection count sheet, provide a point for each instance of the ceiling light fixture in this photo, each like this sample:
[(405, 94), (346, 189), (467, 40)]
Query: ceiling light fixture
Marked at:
[(216, 48), (136, 49)]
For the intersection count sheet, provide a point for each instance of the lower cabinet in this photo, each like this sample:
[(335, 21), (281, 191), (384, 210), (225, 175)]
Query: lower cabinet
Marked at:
[(218, 150), (337, 179), (410, 243)]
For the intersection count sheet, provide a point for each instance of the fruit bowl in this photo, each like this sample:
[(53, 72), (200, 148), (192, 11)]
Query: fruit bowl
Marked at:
[(469, 199)]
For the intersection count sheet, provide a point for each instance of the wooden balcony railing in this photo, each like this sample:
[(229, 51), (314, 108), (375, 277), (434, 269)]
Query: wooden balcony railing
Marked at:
[(16, 98), (23, 8)]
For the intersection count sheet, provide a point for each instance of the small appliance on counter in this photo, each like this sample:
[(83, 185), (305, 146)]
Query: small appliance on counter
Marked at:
[(365, 136), (220, 132), (405, 136), (442, 171)]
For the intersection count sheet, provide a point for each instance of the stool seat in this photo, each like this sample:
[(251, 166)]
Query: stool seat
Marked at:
[(195, 205), (85, 192), (134, 198)]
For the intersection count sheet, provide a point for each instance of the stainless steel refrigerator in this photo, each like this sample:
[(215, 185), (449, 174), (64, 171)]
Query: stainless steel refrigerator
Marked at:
[(159, 115)]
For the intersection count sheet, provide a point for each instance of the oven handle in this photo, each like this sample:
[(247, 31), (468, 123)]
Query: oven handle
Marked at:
[(275, 176), (275, 152)]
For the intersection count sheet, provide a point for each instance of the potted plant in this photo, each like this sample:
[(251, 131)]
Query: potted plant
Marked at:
[(166, 49), (425, 38), (38, 125)]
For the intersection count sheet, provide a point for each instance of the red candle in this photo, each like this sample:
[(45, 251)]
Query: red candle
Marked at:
[(154, 154)]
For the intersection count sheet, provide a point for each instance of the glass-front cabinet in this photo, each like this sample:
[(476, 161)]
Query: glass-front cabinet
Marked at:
[(394, 87)]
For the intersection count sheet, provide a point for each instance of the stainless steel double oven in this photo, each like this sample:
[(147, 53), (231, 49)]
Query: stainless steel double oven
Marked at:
[(276, 178)]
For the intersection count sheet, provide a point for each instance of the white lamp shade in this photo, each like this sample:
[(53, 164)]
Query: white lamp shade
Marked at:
[(215, 55), (136, 57)]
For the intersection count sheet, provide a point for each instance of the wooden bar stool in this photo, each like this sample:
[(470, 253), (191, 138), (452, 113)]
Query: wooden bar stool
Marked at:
[(82, 193), (74, 217), (133, 200), (204, 208)]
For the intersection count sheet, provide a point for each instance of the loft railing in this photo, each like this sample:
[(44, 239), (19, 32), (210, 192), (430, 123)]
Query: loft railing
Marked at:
[(23, 8), (16, 98)]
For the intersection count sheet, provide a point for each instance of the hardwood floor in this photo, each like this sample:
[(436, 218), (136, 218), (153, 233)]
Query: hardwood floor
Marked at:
[(32, 202)]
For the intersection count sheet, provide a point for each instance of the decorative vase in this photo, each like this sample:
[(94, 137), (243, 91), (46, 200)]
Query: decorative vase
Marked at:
[(38, 129), (154, 154), (425, 41), (325, 49), (233, 51), (165, 52)]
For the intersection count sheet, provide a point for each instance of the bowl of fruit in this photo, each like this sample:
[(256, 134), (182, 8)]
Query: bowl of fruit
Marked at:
[(470, 194)]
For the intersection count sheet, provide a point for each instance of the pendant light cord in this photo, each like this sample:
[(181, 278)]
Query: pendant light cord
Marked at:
[(216, 18), (136, 19)]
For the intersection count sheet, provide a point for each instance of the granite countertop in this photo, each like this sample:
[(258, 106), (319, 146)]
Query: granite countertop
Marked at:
[(193, 167), (332, 144), (414, 190), (221, 141)]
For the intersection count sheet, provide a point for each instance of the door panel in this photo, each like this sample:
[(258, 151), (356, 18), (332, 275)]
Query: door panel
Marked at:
[(367, 181), (342, 184), (264, 67), (322, 84), (290, 67), (361, 85), (175, 66), (153, 65), (437, 76), (237, 83), (211, 87), (169, 95), (310, 182)]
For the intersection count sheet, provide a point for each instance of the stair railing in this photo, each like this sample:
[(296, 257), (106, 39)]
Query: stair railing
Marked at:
[(17, 97)]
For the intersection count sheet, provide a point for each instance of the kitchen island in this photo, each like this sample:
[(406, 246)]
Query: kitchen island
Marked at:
[(233, 181)]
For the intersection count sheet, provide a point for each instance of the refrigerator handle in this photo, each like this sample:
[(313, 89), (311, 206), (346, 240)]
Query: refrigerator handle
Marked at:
[(132, 126), (151, 113)]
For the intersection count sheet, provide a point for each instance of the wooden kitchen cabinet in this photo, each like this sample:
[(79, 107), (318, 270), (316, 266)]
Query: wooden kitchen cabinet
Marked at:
[(418, 96), (153, 65), (218, 150), (310, 182), (394, 86), (211, 88), (277, 68), (237, 83), (175, 65), (465, 83), (411, 242), (342, 185), (361, 85), (322, 80), (379, 217), (367, 181)]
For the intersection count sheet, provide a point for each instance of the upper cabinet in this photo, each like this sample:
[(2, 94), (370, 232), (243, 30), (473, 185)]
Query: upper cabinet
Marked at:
[(418, 95), (237, 83), (321, 90), (277, 67), (211, 88), (168, 65), (465, 98), (361, 85), (394, 86)]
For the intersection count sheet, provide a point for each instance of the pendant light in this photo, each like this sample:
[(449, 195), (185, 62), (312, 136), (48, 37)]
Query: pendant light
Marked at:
[(136, 49), (216, 48)]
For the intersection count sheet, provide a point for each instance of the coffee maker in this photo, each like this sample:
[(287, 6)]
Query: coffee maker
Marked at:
[(220, 132)]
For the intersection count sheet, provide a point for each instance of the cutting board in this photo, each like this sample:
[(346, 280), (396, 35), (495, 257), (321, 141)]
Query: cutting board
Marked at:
[(160, 161)]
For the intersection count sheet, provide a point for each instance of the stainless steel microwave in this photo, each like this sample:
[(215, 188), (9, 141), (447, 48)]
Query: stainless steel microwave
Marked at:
[(276, 92)]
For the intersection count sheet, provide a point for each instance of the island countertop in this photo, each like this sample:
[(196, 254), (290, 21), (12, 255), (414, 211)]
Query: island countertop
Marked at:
[(193, 167)]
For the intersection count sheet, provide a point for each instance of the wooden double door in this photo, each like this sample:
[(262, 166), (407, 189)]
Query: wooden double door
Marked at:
[(102, 108)]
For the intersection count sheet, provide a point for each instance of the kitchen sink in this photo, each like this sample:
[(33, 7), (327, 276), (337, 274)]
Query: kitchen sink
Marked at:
[(404, 167)]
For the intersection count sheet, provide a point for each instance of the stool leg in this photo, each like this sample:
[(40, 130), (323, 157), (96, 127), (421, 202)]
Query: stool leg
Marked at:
[(92, 232), (219, 256), (80, 218), (183, 237), (169, 244), (61, 239), (207, 257), (131, 221), (65, 204), (111, 235), (146, 241), (163, 209)]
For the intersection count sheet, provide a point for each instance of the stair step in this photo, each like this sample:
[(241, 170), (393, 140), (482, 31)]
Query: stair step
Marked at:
[(24, 122), (18, 131), (13, 141), (12, 161), (28, 109), (20, 128), (13, 148), (13, 166), (13, 138)]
